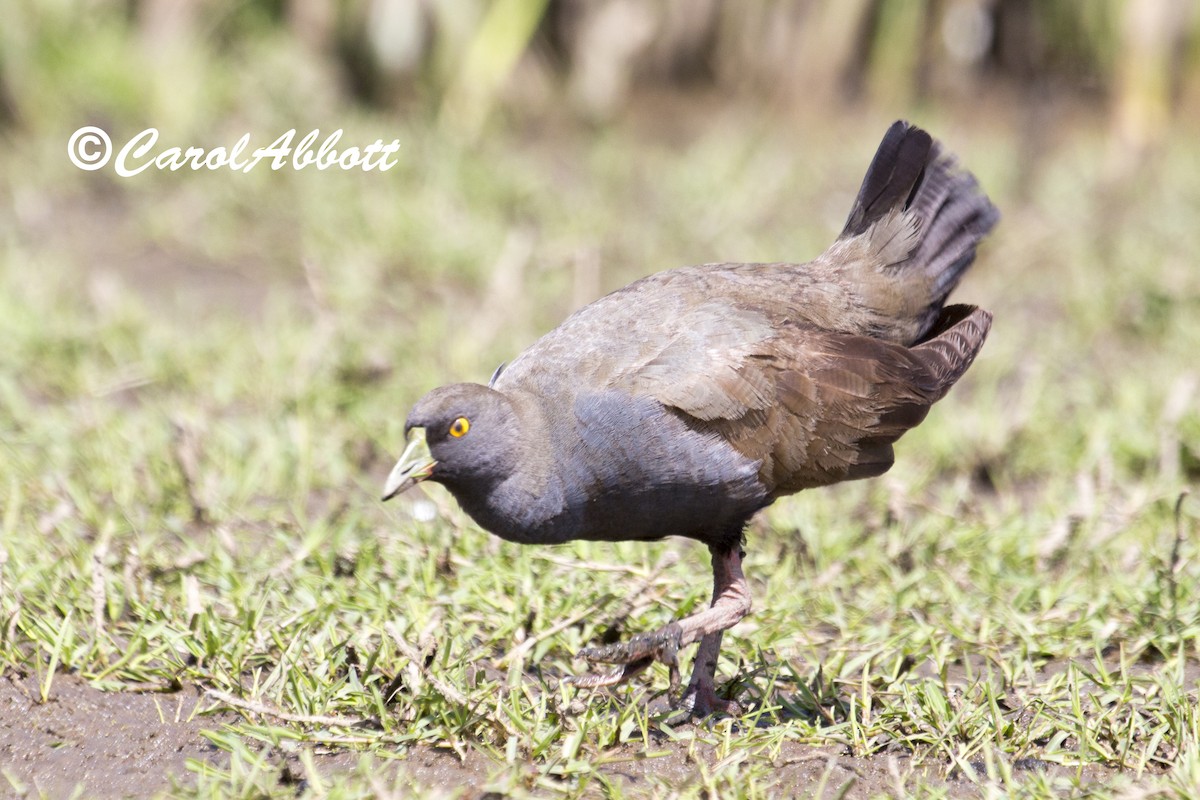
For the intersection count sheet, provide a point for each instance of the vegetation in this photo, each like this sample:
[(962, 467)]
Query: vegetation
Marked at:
[(204, 377)]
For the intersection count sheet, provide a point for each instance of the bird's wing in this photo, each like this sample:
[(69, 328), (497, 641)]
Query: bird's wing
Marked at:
[(814, 407), (701, 367)]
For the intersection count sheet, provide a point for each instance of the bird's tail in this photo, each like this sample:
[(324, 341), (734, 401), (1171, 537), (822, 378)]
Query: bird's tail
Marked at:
[(954, 340), (917, 220), (951, 345)]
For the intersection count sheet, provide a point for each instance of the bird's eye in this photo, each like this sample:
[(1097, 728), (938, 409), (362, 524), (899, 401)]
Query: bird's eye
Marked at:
[(459, 427)]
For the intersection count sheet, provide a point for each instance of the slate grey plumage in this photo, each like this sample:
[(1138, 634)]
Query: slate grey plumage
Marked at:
[(687, 401)]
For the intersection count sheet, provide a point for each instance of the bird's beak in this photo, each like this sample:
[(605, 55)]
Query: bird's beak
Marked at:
[(414, 466)]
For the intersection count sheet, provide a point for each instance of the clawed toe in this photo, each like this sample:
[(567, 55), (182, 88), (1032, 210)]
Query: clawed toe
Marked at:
[(702, 701), (731, 602), (698, 700), (634, 656), (660, 645), (596, 680)]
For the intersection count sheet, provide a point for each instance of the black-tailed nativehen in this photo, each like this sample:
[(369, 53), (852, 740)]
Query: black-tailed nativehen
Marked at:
[(687, 401)]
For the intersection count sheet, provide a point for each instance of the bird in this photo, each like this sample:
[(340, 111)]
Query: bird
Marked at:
[(693, 398)]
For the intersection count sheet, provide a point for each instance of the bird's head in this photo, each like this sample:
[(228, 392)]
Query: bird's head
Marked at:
[(463, 435)]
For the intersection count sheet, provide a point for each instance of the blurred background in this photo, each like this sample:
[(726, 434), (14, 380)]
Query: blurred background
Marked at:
[(204, 375), (552, 150)]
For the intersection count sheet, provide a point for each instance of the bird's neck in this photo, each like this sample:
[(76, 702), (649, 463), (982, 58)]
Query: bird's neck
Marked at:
[(526, 504), (518, 509)]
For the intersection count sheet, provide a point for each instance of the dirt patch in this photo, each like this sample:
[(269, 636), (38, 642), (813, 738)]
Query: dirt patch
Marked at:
[(803, 770), (113, 744), (125, 744), (799, 770), (135, 745), (117, 744)]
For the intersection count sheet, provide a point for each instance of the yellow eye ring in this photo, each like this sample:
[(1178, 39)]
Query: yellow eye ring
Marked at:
[(459, 427)]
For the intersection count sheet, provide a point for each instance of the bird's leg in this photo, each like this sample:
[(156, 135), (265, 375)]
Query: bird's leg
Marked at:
[(731, 602), (700, 696)]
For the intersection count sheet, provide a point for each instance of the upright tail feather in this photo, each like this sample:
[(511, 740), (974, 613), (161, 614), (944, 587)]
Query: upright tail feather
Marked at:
[(894, 175), (915, 194)]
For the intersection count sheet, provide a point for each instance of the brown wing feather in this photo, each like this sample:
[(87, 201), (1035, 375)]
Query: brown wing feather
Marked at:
[(817, 407), (703, 368)]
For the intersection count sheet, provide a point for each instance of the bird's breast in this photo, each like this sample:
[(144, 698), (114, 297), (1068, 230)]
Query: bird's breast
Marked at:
[(620, 467), (635, 470)]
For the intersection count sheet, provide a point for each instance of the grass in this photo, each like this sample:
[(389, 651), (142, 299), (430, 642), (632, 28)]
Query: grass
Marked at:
[(204, 376)]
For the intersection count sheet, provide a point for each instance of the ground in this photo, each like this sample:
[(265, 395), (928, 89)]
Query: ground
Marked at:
[(204, 381)]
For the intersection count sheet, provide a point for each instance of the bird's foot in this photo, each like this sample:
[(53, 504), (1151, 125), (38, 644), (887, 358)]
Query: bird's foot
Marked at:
[(700, 700), (634, 656), (596, 680), (662, 645)]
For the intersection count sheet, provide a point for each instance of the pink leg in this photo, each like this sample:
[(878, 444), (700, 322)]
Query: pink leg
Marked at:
[(731, 599), (700, 696), (731, 602)]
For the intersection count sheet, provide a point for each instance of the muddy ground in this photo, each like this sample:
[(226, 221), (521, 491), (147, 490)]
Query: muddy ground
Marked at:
[(116, 744), (123, 744), (113, 744)]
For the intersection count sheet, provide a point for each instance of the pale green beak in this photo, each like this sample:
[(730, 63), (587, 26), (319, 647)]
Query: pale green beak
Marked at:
[(414, 466)]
